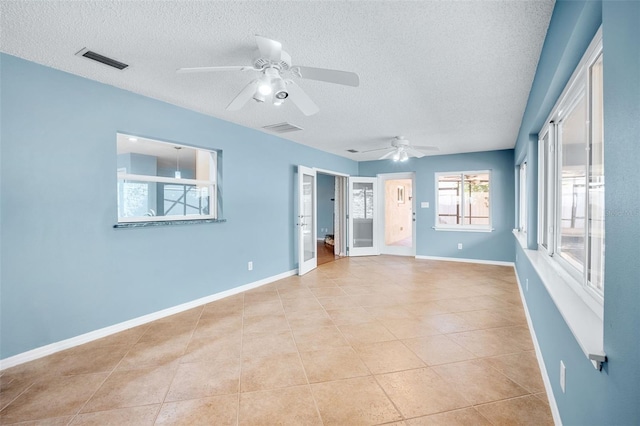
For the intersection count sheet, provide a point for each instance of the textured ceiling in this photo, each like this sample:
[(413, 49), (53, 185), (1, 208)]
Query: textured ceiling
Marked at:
[(455, 74)]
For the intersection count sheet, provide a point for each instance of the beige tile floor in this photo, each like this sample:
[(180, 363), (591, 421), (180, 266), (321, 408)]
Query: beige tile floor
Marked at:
[(370, 340)]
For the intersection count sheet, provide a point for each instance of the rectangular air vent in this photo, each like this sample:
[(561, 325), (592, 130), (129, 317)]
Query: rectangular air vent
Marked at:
[(102, 59), (282, 127), (353, 151)]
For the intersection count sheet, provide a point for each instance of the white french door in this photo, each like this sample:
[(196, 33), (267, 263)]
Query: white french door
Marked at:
[(363, 217), (306, 220)]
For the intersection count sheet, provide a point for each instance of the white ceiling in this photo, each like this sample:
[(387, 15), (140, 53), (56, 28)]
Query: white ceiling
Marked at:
[(455, 74)]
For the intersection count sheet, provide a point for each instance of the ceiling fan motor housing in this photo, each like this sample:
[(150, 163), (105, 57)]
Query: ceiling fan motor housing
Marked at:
[(283, 65), (399, 142)]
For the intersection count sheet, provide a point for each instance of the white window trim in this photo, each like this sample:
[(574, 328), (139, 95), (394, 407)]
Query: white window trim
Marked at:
[(581, 307), (462, 227)]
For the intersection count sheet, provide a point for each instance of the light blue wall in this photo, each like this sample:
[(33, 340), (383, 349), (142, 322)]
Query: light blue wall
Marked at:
[(65, 269), (611, 396), (326, 192), (496, 245)]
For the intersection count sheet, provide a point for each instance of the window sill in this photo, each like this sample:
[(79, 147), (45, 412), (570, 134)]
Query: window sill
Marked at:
[(463, 229), (585, 324), (166, 223)]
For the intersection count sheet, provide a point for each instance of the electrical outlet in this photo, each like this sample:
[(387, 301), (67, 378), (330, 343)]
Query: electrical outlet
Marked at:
[(563, 376), (250, 266), (459, 246), (527, 284)]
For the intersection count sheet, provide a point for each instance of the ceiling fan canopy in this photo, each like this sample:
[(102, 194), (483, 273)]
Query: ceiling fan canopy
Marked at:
[(275, 83), (401, 150)]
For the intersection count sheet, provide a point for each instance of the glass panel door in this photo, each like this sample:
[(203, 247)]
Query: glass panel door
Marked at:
[(307, 248), (362, 216)]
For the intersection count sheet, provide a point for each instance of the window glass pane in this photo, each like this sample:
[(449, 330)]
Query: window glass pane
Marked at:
[(308, 222), (183, 200), (133, 199), (362, 200), (476, 209), (596, 182), (362, 204), (450, 200), (573, 139)]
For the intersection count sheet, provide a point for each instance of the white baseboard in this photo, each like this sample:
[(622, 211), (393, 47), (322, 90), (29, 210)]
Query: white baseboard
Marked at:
[(456, 259), (543, 369), (116, 328)]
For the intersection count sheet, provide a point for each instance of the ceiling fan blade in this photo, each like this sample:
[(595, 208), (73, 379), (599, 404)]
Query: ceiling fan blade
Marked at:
[(243, 97), (301, 99), (215, 69), (377, 149), (269, 49), (426, 147), (330, 76), (414, 152), (387, 155)]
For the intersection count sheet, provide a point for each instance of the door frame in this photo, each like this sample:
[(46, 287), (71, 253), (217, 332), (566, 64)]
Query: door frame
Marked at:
[(395, 250)]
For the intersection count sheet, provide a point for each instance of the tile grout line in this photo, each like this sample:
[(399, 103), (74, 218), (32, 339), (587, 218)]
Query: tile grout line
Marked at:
[(115, 367), (239, 392), (402, 418), (304, 370), (176, 370)]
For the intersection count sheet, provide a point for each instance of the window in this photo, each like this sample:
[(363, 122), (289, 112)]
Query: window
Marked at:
[(160, 181), (463, 201), (571, 173), (522, 198)]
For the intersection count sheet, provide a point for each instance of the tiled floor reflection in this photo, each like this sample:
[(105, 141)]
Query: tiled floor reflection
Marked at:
[(373, 340)]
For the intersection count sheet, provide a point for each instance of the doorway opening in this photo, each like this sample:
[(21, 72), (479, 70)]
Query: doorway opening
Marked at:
[(331, 212), (399, 214)]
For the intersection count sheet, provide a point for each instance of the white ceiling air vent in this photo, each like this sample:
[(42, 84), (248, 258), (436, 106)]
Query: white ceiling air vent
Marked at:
[(102, 59), (282, 127)]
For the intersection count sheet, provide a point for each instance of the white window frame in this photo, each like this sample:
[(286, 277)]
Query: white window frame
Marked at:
[(582, 310), (550, 163), (210, 185), (462, 227), (522, 197)]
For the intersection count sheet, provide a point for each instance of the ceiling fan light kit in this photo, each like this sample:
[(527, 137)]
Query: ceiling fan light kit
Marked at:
[(273, 64)]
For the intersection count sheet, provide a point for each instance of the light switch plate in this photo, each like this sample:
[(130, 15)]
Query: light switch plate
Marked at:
[(424, 205)]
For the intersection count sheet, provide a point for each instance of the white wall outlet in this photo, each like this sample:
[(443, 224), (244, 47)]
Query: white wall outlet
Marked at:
[(250, 266), (527, 284), (563, 376), (424, 205), (459, 246)]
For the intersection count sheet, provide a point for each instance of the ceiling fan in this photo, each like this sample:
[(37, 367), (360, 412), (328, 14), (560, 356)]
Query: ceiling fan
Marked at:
[(401, 149), (275, 83)]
